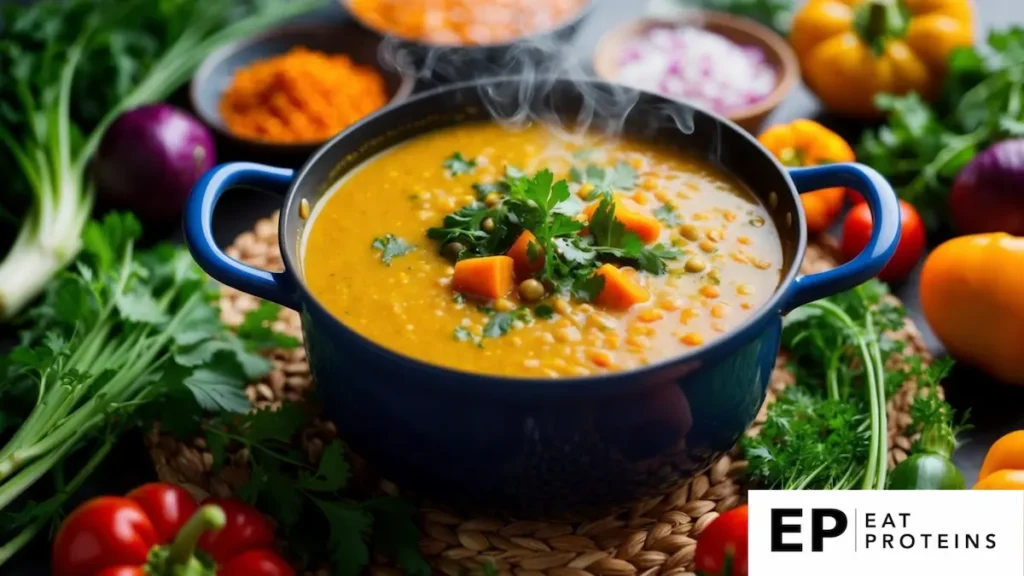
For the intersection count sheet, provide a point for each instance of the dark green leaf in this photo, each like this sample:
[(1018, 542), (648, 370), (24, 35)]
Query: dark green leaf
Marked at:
[(257, 332), (219, 387), (281, 425), (349, 528), (397, 535), (544, 311), (332, 473), (587, 289)]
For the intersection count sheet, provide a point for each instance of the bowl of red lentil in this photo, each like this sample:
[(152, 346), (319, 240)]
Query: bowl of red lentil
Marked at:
[(291, 89), (459, 40)]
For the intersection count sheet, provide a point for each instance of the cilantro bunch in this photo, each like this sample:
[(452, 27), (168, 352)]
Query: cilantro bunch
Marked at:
[(829, 429), (923, 147), (112, 338), (314, 505)]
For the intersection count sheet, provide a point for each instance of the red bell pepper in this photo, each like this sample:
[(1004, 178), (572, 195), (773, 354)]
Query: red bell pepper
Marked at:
[(722, 547), (160, 530)]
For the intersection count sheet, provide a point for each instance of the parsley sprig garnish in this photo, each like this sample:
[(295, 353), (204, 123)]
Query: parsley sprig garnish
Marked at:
[(546, 208)]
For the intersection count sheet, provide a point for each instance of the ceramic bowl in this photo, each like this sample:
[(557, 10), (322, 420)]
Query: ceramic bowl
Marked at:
[(740, 30), (435, 64), (214, 75)]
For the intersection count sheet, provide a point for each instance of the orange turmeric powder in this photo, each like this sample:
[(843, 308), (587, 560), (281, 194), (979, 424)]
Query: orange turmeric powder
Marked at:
[(464, 22), (301, 96)]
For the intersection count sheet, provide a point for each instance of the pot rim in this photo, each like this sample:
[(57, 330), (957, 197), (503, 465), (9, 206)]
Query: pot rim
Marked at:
[(625, 378)]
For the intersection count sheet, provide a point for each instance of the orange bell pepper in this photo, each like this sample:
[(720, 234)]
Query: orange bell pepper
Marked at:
[(1003, 468), (852, 50), (971, 290), (807, 143)]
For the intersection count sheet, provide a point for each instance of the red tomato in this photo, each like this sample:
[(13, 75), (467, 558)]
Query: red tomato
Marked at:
[(857, 232), (102, 532), (854, 197), (725, 538)]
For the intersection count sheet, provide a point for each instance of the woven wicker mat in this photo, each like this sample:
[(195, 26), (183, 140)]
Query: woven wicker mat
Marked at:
[(656, 536)]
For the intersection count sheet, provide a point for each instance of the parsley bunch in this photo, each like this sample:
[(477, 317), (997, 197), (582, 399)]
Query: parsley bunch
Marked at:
[(312, 505), (120, 333), (829, 430), (923, 147)]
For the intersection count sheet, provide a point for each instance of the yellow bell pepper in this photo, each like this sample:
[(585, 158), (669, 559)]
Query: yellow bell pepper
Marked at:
[(971, 290), (852, 50)]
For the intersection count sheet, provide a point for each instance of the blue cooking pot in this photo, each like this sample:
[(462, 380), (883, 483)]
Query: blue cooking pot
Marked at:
[(543, 448)]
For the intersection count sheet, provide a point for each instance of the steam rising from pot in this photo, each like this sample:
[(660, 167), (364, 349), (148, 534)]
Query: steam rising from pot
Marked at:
[(537, 69)]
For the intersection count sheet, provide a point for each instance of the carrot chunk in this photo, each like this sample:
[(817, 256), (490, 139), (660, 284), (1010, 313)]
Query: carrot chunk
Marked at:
[(647, 228), (520, 254), (620, 291), (487, 277)]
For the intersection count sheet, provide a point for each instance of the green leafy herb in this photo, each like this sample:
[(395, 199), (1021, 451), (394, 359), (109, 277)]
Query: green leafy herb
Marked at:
[(499, 324), (456, 164), (311, 504), (829, 429), (667, 214), (611, 239), (391, 247), (543, 311), (587, 288), (68, 69), (921, 148), (461, 334), (605, 180), (122, 335)]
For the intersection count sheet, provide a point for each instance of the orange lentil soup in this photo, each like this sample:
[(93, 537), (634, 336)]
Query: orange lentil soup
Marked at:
[(517, 253), (465, 22)]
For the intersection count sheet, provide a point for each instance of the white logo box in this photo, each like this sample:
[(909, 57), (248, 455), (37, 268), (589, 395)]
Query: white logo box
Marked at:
[(916, 533)]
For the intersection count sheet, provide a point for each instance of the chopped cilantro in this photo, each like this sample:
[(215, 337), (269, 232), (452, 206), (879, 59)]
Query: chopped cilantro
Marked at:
[(461, 334), (667, 215), (458, 298), (543, 311), (391, 247), (499, 324), (456, 164), (605, 180)]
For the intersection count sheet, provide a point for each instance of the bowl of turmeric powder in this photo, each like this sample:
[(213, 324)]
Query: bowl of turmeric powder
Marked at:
[(293, 88)]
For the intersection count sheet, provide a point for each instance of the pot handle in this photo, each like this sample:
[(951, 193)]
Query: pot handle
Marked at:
[(885, 230), (198, 224)]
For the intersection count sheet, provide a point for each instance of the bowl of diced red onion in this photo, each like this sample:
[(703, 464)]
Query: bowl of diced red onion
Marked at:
[(726, 64)]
